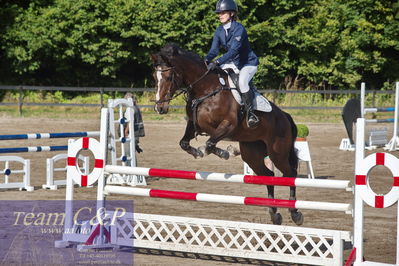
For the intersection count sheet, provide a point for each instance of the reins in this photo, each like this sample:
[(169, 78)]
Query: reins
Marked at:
[(195, 82)]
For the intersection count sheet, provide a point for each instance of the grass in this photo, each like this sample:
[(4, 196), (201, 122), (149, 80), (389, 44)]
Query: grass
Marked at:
[(300, 116), (178, 114)]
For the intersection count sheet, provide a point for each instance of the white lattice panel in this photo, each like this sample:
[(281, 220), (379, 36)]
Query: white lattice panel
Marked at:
[(236, 239)]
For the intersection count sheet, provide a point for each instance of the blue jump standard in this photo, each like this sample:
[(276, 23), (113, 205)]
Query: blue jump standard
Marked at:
[(33, 149), (49, 135)]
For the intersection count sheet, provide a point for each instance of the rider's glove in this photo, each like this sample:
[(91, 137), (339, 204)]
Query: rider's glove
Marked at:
[(212, 66)]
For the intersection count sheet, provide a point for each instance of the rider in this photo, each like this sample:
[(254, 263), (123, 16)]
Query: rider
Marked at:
[(232, 36)]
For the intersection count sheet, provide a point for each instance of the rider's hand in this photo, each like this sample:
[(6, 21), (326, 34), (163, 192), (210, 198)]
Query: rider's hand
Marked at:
[(211, 66)]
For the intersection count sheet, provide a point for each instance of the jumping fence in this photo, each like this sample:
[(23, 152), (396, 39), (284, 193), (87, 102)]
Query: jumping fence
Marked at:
[(377, 137), (392, 145), (16, 167), (229, 238)]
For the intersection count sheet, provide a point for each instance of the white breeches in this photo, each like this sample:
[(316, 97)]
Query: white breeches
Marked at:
[(246, 74)]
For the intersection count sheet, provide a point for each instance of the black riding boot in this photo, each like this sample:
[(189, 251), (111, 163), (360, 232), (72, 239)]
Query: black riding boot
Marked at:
[(252, 119)]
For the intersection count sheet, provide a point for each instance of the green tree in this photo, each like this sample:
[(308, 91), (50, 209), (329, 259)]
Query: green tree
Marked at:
[(328, 44), (331, 44)]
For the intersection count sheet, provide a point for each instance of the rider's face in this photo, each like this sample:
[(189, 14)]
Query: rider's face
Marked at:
[(224, 16)]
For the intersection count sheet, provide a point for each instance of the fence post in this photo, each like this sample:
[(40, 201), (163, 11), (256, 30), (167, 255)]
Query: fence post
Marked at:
[(373, 104), (373, 99), (275, 93), (102, 97), (20, 100)]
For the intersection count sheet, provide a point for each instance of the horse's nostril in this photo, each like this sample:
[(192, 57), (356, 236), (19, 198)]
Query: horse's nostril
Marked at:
[(158, 109)]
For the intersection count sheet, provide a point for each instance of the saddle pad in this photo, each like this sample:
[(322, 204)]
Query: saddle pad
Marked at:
[(260, 103)]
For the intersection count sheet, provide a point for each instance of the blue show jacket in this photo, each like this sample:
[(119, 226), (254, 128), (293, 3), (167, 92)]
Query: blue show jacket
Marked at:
[(236, 44)]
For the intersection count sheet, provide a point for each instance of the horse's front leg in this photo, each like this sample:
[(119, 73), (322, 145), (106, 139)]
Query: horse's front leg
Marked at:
[(223, 129), (189, 134)]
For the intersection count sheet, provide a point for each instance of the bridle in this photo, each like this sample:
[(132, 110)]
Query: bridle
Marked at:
[(169, 98), (174, 82), (195, 102)]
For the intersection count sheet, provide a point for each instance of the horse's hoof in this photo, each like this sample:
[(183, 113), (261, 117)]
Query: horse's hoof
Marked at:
[(233, 151), (277, 218), (224, 155), (297, 217), (198, 154), (202, 150)]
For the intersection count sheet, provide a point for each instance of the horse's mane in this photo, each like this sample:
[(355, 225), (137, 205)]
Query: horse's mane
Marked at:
[(172, 49)]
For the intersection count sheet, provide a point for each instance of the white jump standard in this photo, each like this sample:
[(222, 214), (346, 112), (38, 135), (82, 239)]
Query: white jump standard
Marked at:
[(364, 193)]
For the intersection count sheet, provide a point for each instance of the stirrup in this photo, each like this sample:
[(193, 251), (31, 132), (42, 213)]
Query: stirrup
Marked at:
[(252, 120)]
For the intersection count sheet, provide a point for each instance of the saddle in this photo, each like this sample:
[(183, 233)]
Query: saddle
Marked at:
[(260, 102), (233, 78)]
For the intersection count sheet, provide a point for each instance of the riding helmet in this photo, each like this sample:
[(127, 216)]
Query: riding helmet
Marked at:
[(226, 5)]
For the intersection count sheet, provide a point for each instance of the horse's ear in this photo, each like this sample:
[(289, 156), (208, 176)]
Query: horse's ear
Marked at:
[(165, 58), (170, 50), (154, 57), (158, 59)]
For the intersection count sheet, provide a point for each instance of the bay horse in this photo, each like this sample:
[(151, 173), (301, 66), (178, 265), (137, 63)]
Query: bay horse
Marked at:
[(212, 109)]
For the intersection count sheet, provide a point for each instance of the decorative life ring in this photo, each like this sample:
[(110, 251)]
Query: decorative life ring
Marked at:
[(73, 170), (362, 184)]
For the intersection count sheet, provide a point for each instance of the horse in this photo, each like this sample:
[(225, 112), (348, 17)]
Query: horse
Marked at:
[(212, 110)]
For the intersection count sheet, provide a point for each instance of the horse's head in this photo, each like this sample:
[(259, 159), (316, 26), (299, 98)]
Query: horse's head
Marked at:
[(167, 79)]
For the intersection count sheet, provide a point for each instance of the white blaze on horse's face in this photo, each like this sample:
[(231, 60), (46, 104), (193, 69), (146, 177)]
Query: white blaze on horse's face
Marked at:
[(159, 78), (163, 87)]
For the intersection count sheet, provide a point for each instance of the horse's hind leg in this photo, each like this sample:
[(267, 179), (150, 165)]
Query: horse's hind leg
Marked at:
[(282, 163), (189, 134), (296, 215), (254, 153)]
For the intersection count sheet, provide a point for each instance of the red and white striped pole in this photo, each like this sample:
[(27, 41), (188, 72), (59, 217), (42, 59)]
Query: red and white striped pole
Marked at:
[(156, 193), (237, 178)]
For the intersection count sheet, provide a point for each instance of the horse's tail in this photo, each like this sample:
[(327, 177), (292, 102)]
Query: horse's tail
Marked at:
[(293, 158)]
